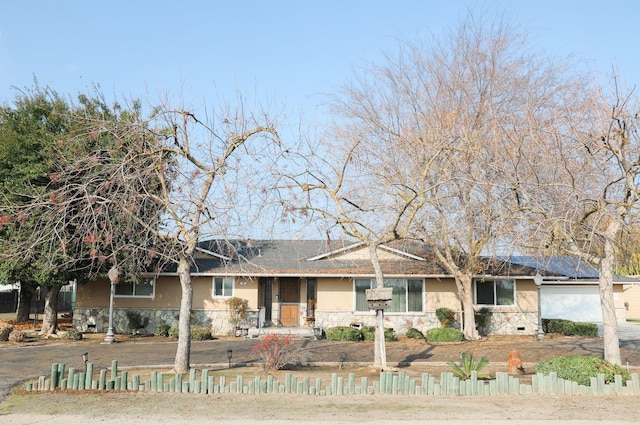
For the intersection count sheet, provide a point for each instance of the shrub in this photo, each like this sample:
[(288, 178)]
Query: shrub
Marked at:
[(199, 333), (74, 335), (5, 331), (162, 330), (581, 329), (414, 333), (135, 320), (569, 328), (238, 308), (369, 333), (173, 332), (17, 336), (446, 316), (444, 335), (276, 351), (467, 365), (483, 318), (581, 369), (344, 333)]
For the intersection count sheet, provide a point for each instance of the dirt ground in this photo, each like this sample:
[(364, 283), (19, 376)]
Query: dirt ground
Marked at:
[(412, 356)]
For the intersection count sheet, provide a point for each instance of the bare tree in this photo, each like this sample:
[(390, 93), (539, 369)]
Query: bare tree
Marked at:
[(148, 196), (345, 185), (590, 195), (448, 118)]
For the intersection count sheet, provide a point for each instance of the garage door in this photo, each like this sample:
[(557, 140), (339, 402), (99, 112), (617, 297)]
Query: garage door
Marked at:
[(577, 303)]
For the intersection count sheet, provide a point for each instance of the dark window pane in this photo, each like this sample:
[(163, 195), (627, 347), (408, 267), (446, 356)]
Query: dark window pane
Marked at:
[(124, 289), (414, 293), (484, 293)]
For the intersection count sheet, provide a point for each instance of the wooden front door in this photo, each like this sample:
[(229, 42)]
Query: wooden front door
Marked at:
[(289, 301)]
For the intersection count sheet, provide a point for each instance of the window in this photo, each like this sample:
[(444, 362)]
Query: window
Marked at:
[(495, 292), (311, 297), (407, 294), (145, 288), (223, 287)]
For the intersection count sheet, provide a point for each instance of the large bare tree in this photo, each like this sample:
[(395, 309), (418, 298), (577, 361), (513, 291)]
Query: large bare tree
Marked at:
[(585, 195), (448, 117)]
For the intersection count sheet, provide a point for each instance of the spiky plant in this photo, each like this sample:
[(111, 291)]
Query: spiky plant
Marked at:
[(467, 365)]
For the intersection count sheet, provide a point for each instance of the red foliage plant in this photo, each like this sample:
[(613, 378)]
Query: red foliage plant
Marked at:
[(275, 350)]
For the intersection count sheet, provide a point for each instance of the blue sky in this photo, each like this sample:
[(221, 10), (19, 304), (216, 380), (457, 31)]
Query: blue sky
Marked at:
[(289, 51)]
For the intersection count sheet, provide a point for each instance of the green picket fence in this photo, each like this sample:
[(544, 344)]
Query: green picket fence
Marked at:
[(201, 382)]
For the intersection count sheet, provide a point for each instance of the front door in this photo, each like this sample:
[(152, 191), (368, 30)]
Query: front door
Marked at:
[(289, 300)]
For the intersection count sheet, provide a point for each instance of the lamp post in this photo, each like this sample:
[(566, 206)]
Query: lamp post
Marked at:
[(229, 355), (114, 277), (537, 279)]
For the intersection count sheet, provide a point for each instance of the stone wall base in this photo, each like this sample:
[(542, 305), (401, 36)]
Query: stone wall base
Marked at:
[(87, 319)]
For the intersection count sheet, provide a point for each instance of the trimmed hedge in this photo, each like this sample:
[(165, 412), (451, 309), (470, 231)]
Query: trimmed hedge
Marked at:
[(369, 333), (200, 333), (344, 333), (347, 333), (581, 369), (444, 335), (569, 328), (414, 333)]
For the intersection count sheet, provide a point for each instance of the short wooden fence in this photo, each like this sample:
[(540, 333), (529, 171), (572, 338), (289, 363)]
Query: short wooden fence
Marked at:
[(399, 383)]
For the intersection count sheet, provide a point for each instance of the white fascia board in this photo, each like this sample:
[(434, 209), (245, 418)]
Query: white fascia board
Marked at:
[(336, 251)]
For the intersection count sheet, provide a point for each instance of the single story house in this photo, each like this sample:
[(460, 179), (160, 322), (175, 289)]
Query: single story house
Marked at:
[(323, 284)]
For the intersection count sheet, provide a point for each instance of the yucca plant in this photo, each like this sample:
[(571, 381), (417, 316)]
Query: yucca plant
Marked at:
[(467, 365)]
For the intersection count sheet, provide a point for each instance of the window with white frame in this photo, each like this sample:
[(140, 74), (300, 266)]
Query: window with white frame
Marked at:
[(144, 288), (407, 294), (495, 292), (222, 287)]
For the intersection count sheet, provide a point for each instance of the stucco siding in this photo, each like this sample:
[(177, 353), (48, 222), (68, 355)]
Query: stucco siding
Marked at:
[(441, 293), (334, 294)]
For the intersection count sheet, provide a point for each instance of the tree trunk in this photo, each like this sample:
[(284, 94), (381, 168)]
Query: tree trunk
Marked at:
[(50, 316), (24, 302), (465, 292), (183, 352), (380, 353), (609, 319)]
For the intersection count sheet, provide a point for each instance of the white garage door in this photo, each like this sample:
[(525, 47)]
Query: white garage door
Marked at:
[(577, 303)]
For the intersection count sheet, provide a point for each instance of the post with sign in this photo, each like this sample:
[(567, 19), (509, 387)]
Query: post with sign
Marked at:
[(379, 299)]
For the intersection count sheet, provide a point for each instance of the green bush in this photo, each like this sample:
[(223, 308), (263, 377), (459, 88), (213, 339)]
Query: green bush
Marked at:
[(344, 333), (74, 335), (135, 320), (414, 333), (446, 316), (581, 369), (200, 333), (483, 319), (162, 330), (582, 329), (5, 331), (569, 328), (173, 332), (444, 335), (369, 333)]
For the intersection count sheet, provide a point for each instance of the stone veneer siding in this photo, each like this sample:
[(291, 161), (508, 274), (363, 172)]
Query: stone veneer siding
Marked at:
[(505, 323), (216, 320)]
